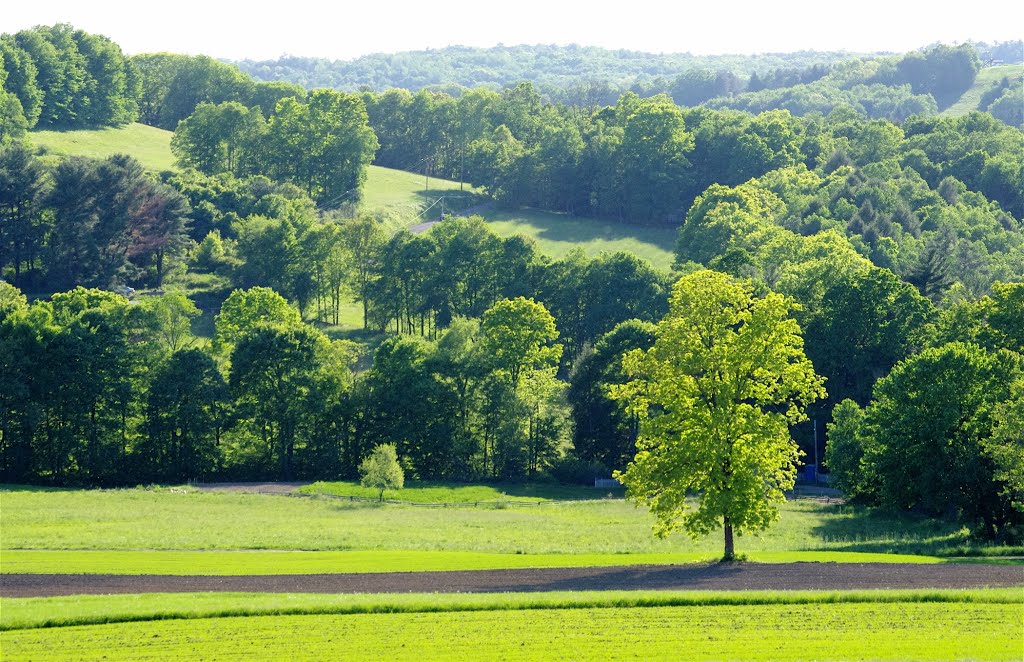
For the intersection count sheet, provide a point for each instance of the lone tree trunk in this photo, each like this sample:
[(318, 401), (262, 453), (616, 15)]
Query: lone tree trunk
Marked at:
[(730, 553)]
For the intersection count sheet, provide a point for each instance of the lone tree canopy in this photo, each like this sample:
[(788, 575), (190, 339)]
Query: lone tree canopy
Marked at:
[(715, 397), (380, 470)]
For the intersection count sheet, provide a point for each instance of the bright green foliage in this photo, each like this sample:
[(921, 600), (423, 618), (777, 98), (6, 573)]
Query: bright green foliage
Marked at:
[(721, 215), (715, 397), (68, 78), (12, 301), (519, 336), (13, 124), (20, 79), (651, 162), (172, 86), (381, 471), (172, 316), (323, 145), (245, 311), (218, 138), (845, 449)]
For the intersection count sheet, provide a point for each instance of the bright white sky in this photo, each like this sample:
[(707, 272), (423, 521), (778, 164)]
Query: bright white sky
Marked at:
[(345, 29)]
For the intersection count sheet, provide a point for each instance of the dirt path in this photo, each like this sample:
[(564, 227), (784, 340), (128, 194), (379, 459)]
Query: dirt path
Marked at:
[(750, 576), (253, 488)]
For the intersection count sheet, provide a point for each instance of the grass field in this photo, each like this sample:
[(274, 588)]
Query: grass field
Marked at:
[(140, 531), (986, 78), (557, 234), (64, 611), (408, 194), (754, 630), (151, 146)]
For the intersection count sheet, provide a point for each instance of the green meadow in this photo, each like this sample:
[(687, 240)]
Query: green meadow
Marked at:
[(932, 627), (64, 611), (183, 531), (150, 145)]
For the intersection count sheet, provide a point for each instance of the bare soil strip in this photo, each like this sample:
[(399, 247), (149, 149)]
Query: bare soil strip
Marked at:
[(711, 577)]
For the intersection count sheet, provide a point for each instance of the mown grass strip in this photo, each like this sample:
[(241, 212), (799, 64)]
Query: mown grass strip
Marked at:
[(783, 631), (302, 563), (65, 611)]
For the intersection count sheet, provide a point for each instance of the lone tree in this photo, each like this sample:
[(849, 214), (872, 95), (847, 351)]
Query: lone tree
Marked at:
[(715, 397), (380, 470)]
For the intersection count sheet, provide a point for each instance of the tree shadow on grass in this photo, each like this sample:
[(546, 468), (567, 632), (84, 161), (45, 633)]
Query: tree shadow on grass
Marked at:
[(851, 528)]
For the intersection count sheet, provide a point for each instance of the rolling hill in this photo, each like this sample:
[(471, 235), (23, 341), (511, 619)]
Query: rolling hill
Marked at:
[(987, 77), (404, 198)]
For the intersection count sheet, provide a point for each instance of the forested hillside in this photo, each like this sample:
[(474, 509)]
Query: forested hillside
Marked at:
[(893, 236), (880, 84), (551, 68)]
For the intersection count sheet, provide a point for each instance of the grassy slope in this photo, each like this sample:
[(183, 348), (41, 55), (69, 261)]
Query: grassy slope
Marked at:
[(402, 196), (151, 146), (836, 631), (986, 78)]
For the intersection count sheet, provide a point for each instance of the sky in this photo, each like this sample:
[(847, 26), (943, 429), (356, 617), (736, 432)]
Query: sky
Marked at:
[(345, 30)]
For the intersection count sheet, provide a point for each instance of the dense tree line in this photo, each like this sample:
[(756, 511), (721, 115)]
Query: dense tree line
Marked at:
[(174, 85), (95, 392), (942, 431), (62, 78), (321, 143), (645, 159), (95, 222)]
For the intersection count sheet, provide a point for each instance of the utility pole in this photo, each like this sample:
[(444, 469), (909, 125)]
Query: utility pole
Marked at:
[(815, 451)]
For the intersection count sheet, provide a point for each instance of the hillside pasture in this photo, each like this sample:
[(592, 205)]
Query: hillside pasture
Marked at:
[(557, 234), (150, 145)]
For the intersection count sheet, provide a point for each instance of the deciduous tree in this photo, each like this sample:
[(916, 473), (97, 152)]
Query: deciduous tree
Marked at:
[(715, 397)]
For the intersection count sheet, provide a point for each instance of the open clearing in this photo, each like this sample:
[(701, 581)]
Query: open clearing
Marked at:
[(987, 77), (896, 631)]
